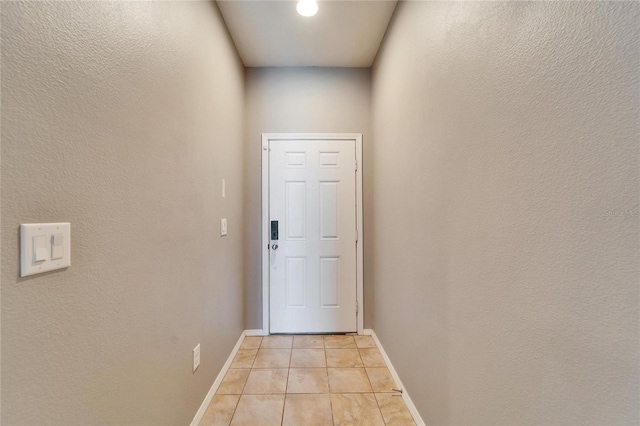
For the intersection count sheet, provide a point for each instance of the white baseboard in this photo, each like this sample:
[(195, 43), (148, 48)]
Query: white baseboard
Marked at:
[(256, 332), (216, 383), (367, 332), (405, 396)]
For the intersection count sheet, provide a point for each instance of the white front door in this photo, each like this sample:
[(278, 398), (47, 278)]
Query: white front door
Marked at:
[(312, 261)]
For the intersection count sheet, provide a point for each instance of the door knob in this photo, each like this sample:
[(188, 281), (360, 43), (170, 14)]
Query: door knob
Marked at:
[(274, 247)]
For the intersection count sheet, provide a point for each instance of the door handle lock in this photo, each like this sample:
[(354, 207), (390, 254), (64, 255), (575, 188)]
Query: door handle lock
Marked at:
[(274, 247)]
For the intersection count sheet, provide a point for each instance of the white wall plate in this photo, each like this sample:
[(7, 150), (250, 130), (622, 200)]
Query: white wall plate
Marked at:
[(44, 247)]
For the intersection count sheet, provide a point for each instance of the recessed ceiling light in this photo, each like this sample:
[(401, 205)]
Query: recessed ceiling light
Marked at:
[(307, 7)]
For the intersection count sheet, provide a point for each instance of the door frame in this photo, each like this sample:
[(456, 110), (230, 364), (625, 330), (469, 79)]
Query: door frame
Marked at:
[(347, 137)]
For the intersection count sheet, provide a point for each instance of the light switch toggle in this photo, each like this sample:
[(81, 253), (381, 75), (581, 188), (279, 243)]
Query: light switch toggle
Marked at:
[(39, 248), (57, 246)]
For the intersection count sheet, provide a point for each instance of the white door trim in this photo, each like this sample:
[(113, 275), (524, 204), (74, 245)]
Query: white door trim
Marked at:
[(266, 138)]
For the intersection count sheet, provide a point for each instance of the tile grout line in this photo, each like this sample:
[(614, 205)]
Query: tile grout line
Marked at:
[(245, 384), (286, 386), (235, 409), (373, 392), (326, 363), (286, 389), (256, 356)]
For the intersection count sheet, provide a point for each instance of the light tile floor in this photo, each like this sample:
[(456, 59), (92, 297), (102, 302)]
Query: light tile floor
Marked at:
[(308, 380)]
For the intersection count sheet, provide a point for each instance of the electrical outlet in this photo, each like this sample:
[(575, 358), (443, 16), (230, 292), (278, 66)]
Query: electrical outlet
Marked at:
[(223, 227), (196, 357)]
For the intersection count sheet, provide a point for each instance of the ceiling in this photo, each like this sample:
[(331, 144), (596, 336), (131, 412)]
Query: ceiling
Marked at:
[(341, 34)]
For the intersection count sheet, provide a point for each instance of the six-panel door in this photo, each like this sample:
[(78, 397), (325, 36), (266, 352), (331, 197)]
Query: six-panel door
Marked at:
[(312, 188)]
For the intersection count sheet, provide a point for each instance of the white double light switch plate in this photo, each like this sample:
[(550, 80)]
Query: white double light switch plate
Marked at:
[(44, 247)]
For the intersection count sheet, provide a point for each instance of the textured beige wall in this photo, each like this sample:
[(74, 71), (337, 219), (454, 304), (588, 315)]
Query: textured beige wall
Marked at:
[(506, 210), (301, 100), (121, 118)]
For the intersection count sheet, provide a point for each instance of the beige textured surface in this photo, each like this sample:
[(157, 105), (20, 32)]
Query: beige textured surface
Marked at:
[(308, 392), (266, 381), (339, 342), (308, 342), (251, 342), (302, 100), (371, 357), (259, 410), (272, 358), (355, 409), (308, 358), (234, 381), (393, 409), (343, 358), (274, 342), (506, 158), (381, 380), (308, 380), (244, 358), (308, 410), (364, 342), (220, 411), (348, 380), (121, 118)]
